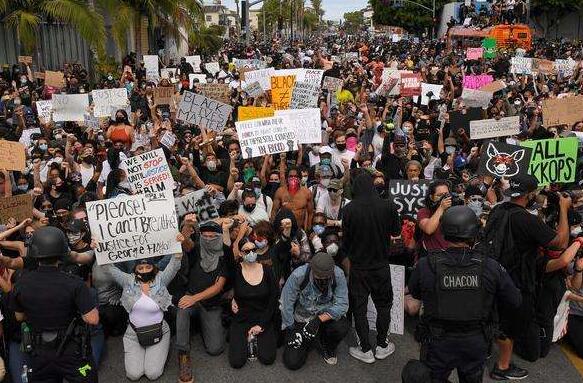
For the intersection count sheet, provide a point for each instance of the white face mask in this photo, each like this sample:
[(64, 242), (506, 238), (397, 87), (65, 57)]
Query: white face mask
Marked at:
[(325, 182), (332, 249)]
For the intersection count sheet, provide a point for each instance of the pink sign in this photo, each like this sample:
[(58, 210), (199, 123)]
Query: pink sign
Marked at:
[(477, 81), (474, 53)]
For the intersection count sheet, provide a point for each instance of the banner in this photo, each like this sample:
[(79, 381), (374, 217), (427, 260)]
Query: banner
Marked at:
[(213, 68), (521, 65), (200, 203), (477, 81), (18, 207), (476, 98), (474, 53), (253, 90), (200, 110), (408, 196), (567, 111), (70, 107), (304, 95), (219, 92), (428, 92), (500, 159), (281, 91), (264, 136), (553, 161), (410, 84), (12, 156), (262, 76), (163, 95), (54, 79), (149, 172), (103, 99), (245, 113), (127, 228), (306, 123), (195, 61), (507, 126), (44, 110), (151, 65)]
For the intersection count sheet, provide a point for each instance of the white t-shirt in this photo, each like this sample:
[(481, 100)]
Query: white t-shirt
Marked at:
[(325, 206), (338, 156), (107, 169), (86, 174), (258, 214), (260, 201)]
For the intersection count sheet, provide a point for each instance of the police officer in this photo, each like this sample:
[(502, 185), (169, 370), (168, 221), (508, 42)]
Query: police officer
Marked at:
[(458, 287), (57, 308)]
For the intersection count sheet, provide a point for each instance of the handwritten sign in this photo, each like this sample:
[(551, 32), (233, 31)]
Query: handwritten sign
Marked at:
[(245, 113), (54, 79), (408, 196), (568, 111), (133, 227), (565, 68), (200, 110), (493, 87), (219, 92), (553, 161), (397, 325), (12, 155), (195, 61), (474, 53), (262, 76), (103, 99), (477, 81), (25, 60), (507, 126), (200, 203), (213, 68), (254, 89), (332, 84), (70, 107), (25, 136), (312, 76), (44, 110), (306, 122), (149, 172), (151, 65), (281, 91), (429, 92), (163, 95), (18, 207), (264, 136), (196, 76), (304, 95), (521, 65), (476, 98), (410, 84)]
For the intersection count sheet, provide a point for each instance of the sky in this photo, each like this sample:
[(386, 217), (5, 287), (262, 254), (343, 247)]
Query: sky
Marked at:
[(333, 9)]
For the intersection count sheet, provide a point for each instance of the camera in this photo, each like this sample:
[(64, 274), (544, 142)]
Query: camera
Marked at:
[(456, 200)]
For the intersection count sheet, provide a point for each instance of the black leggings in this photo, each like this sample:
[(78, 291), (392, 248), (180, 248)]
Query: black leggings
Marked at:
[(114, 319), (575, 333), (238, 346)]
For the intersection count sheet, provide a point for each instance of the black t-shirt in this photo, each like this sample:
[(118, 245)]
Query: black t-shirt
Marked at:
[(199, 280), (529, 232), (256, 303)]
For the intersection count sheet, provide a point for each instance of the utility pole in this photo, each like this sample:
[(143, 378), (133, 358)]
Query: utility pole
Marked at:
[(291, 21), (245, 5)]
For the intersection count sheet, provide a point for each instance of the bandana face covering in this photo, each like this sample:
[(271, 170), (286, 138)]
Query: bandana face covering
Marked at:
[(211, 249), (293, 185)]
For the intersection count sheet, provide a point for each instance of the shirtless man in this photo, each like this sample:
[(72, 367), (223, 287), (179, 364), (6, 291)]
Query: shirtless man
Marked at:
[(294, 197)]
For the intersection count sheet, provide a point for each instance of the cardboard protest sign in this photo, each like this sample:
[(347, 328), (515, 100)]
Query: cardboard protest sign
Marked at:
[(151, 65), (54, 79), (428, 92), (195, 61), (304, 95), (200, 110), (200, 203), (70, 107), (474, 53), (103, 99), (18, 207), (44, 109), (397, 325), (507, 126), (476, 98), (459, 120), (568, 111), (25, 136), (332, 84), (489, 45), (254, 89), (264, 136), (25, 60), (168, 139), (262, 76), (169, 73), (200, 77), (149, 172), (281, 91), (245, 113), (163, 95), (131, 227), (500, 159), (554, 160), (219, 92), (12, 155), (410, 84), (521, 65), (493, 87), (477, 81), (543, 66), (306, 123), (408, 196)]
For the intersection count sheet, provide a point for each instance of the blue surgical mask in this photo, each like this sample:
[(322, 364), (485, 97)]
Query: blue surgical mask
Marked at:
[(318, 229), (250, 257), (261, 244), (257, 192), (325, 161), (43, 147)]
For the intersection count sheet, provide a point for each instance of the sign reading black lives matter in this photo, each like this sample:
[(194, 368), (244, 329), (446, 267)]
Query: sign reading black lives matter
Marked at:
[(200, 203), (149, 172), (500, 159), (203, 111), (133, 227), (408, 196)]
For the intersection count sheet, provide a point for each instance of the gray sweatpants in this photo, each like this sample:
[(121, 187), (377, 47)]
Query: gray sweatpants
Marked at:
[(149, 361), (211, 326)]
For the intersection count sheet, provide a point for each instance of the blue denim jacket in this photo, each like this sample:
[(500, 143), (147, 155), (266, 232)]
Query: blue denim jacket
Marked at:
[(158, 292), (301, 306)]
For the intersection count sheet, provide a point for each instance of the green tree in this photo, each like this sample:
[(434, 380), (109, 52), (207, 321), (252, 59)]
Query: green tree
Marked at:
[(548, 13), (353, 21), (275, 10), (26, 17), (208, 40), (311, 20), (403, 14), (317, 5)]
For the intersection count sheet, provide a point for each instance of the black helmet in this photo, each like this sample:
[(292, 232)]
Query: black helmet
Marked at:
[(459, 223), (48, 242)]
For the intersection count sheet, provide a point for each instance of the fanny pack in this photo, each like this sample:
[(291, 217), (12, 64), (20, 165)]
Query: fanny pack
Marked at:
[(148, 335)]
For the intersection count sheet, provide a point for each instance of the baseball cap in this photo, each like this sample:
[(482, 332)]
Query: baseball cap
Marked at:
[(325, 149), (211, 226), (520, 185), (322, 265)]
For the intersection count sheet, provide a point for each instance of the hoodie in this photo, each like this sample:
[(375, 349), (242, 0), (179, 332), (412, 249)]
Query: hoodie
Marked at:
[(367, 224)]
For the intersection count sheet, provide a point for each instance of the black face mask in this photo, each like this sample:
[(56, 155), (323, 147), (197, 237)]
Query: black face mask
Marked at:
[(119, 119), (380, 189), (89, 159), (341, 147), (146, 277), (249, 208), (322, 284)]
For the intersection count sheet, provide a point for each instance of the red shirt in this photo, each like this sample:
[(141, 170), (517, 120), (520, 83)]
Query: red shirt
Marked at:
[(434, 241)]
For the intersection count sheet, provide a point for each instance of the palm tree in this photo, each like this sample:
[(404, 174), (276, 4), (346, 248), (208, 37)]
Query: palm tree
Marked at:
[(208, 40), (26, 16), (317, 6)]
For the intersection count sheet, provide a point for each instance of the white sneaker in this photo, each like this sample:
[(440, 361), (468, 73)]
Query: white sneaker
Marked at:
[(366, 357), (383, 352)]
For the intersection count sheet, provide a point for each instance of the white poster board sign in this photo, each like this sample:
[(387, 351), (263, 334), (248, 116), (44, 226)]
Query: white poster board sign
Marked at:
[(149, 172), (306, 123), (195, 62), (25, 136), (262, 76), (201, 78), (397, 325), (103, 99), (474, 98), (507, 126), (200, 203), (521, 65), (264, 136), (213, 68), (433, 89), (304, 95), (44, 109), (70, 107), (151, 65), (203, 111), (254, 89)]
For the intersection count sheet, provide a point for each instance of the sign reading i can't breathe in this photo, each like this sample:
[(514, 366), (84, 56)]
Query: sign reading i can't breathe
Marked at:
[(553, 161)]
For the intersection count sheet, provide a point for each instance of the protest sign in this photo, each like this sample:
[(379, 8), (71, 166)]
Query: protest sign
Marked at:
[(70, 107), (428, 92), (489, 45), (312, 76), (554, 160), (219, 92), (306, 123), (262, 76), (568, 111), (408, 196), (493, 87), (54, 79), (18, 207), (25, 136), (149, 172), (476, 98), (304, 95), (213, 68), (103, 99), (281, 91), (200, 110), (460, 120), (389, 87), (12, 156), (332, 84), (507, 126), (397, 325), (245, 113), (474, 53), (163, 95), (521, 65), (253, 89), (44, 110), (477, 81), (410, 84), (566, 67), (25, 60), (350, 56), (500, 159), (264, 136), (38, 75), (543, 66), (195, 61), (249, 63), (169, 73), (151, 65), (131, 227), (200, 77), (168, 139), (200, 203)]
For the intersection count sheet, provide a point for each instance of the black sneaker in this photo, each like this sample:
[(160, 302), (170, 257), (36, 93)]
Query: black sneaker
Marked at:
[(512, 373)]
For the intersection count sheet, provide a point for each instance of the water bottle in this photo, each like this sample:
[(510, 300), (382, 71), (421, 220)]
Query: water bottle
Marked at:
[(252, 348), (24, 376)]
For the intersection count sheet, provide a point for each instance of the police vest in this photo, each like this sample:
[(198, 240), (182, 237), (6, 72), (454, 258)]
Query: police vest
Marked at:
[(459, 289)]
